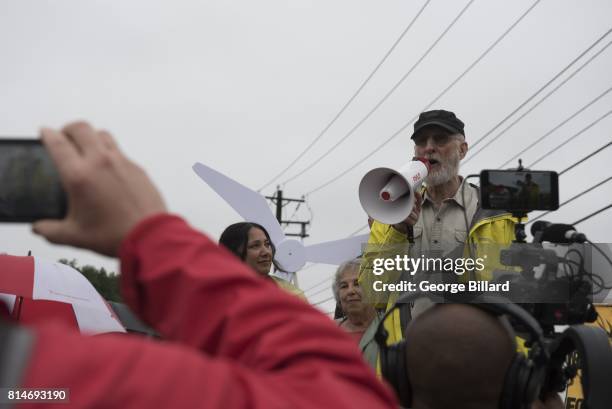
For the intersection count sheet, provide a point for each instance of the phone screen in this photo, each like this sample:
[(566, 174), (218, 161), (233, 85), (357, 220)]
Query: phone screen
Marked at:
[(519, 190), (30, 188)]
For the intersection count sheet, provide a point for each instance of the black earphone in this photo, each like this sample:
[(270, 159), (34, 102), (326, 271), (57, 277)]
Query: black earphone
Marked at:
[(523, 378)]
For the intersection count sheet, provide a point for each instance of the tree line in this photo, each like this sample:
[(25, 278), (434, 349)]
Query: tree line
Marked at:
[(106, 283)]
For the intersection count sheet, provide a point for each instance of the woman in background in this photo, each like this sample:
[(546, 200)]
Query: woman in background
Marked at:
[(359, 318), (251, 243)]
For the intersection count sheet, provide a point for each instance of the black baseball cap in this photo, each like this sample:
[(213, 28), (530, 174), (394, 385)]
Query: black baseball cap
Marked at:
[(445, 119)]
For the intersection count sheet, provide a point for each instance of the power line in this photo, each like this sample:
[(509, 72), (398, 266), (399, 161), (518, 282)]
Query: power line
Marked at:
[(310, 211), (532, 108), (387, 95), (542, 88), (547, 134), (331, 278), (574, 197), (318, 284), (308, 267), (359, 229), (319, 291), (582, 54), (571, 137), (395, 134), (296, 209), (331, 298), (346, 105), (279, 201), (590, 215), (590, 155), (585, 158)]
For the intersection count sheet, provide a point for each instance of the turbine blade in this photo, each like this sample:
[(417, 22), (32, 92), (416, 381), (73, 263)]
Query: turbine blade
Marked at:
[(337, 251), (249, 204)]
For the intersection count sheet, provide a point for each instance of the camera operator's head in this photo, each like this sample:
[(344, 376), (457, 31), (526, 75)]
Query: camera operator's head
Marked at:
[(465, 356), (457, 356)]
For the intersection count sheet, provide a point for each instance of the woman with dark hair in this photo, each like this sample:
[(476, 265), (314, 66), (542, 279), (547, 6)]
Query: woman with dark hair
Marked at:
[(251, 243)]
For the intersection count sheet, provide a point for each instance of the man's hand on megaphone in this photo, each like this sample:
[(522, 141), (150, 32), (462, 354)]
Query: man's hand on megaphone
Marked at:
[(412, 217)]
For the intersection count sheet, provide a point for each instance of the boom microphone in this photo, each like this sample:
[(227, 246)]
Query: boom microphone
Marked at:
[(537, 230), (562, 234), (387, 195), (556, 233)]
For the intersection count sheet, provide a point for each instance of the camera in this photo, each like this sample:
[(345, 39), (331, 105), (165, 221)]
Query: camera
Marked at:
[(30, 187), (552, 283), (556, 285), (519, 190)]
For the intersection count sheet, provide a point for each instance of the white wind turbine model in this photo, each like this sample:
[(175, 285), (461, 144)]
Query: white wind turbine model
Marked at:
[(291, 254)]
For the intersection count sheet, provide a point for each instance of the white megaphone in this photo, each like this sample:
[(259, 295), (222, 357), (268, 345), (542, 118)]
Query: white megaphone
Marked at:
[(387, 195)]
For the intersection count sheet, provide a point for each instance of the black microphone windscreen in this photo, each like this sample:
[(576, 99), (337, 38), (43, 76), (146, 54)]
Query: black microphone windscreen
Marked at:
[(555, 233), (539, 226)]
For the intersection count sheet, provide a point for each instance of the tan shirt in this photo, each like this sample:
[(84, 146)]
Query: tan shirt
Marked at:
[(439, 231)]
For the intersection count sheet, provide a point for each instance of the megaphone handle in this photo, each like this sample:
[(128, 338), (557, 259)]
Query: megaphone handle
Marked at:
[(410, 234)]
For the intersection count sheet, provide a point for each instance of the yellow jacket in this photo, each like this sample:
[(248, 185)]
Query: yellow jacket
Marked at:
[(488, 228)]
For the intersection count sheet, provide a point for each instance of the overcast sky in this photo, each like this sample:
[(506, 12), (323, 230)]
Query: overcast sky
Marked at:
[(245, 86)]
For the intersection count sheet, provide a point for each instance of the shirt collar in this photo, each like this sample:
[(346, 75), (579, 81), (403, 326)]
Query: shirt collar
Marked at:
[(457, 198)]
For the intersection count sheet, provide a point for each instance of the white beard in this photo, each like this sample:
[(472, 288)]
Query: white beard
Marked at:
[(446, 171)]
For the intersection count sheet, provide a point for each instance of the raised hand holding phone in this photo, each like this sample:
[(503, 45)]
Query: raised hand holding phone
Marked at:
[(108, 194)]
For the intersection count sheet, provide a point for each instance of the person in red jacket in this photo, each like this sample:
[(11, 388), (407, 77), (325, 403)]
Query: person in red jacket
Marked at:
[(231, 338)]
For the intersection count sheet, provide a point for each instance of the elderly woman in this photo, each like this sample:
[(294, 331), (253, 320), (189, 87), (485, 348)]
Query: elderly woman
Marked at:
[(251, 243), (360, 318)]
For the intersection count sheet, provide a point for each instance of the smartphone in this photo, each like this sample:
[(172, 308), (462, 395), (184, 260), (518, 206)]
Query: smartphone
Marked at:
[(523, 190), (30, 187)]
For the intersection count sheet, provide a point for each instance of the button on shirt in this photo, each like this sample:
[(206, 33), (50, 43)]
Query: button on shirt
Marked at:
[(439, 231)]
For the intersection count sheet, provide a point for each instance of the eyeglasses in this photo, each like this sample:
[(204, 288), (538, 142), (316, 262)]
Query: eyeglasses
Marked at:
[(438, 139)]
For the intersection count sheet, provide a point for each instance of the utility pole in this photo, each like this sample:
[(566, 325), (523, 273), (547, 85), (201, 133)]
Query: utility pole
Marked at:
[(279, 201)]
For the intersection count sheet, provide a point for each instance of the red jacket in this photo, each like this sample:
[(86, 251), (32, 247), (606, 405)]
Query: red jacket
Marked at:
[(234, 339)]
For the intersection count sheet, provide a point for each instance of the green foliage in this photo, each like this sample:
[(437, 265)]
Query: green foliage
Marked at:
[(107, 284)]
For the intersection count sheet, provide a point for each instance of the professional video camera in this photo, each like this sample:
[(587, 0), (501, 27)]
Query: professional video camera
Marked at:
[(554, 284), (561, 292)]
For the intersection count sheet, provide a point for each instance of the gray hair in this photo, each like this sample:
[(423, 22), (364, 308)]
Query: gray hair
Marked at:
[(347, 265)]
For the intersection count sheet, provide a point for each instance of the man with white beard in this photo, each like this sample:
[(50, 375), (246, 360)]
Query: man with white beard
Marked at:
[(446, 212), (438, 220)]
